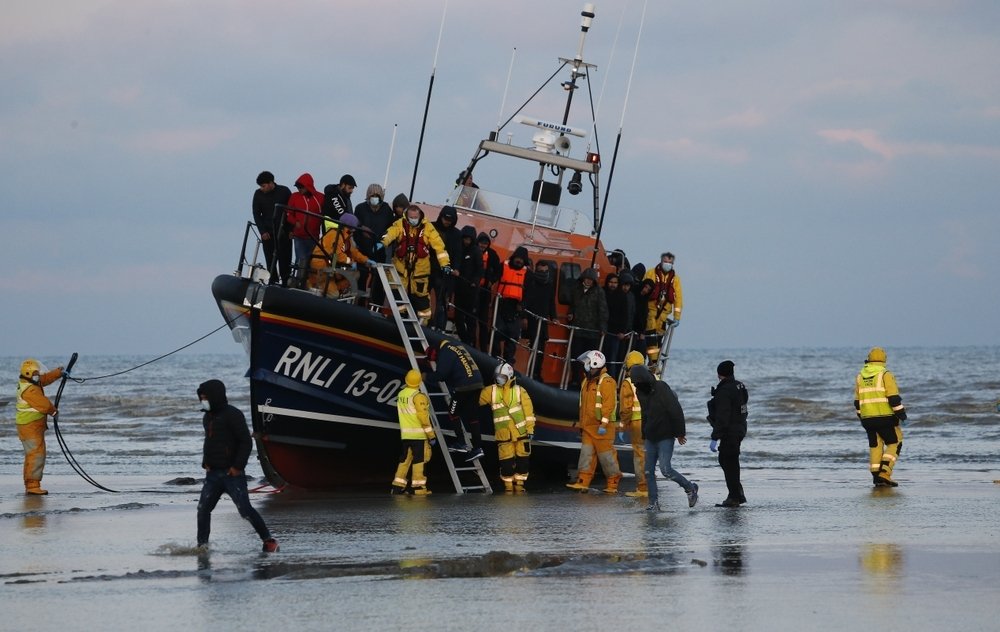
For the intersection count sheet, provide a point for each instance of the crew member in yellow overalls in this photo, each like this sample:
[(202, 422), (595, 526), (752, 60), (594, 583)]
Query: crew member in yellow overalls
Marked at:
[(31, 417), (415, 238), (665, 304), (334, 257), (513, 426), (417, 434), (880, 409), (630, 416), (598, 400)]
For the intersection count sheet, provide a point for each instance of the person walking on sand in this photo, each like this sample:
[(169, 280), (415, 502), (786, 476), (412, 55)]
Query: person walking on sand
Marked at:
[(415, 429), (727, 412), (598, 401), (31, 417), (662, 423), (224, 456), (630, 414), (880, 409)]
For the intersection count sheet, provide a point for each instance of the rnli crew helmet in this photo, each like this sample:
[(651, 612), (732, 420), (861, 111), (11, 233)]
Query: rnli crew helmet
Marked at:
[(592, 360), (877, 354), (29, 367), (503, 373), (633, 358), (413, 378)]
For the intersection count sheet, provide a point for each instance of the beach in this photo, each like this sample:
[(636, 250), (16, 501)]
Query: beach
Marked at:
[(816, 547)]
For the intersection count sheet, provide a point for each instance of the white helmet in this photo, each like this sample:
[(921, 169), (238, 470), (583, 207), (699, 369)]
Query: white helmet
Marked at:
[(592, 360), (503, 373)]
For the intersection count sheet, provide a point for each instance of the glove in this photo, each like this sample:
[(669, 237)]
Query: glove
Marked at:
[(379, 246), (713, 445), (621, 437), (446, 270), (529, 437), (371, 263), (672, 323), (602, 431), (434, 442)]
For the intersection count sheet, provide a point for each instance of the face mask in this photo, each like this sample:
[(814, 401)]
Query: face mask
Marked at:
[(667, 267), (374, 201), (35, 378), (413, 220), (501, 380), (542, 275), (205, 406), (516, 265)]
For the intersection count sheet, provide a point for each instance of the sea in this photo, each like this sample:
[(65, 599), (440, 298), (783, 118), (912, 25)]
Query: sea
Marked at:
[(815, 547)]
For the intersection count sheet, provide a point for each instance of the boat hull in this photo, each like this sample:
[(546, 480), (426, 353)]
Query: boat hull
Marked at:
[(324, 375)]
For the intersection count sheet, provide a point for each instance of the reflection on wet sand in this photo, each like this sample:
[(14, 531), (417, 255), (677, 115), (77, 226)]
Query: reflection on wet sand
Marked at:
[(731, 537), (883, 564)]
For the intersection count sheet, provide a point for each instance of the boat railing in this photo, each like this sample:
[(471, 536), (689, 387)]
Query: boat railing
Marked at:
[(535, 213)]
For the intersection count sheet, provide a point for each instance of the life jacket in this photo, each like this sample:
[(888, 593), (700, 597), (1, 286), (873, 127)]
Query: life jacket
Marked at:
[(25, 412), (410, 426), (599, 400), (872, 399), (636, 408), (506, 414), (511, 283), (414, 244), (486, 261), (664, 289)]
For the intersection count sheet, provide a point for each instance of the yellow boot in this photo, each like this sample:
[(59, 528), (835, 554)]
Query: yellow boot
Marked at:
[(34, 488)]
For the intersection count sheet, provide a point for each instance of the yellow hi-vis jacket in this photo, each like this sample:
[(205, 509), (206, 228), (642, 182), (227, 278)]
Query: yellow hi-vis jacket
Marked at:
[(598, 400), (629, 409), (414, 416), (512, 408), (32, 404), (874, 387)]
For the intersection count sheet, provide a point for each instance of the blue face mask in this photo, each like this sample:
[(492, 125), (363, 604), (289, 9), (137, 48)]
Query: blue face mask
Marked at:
[(413, 220), (667, 267), (374, 201)]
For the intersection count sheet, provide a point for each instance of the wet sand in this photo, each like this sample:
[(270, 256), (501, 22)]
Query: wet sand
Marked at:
[(806, 552)]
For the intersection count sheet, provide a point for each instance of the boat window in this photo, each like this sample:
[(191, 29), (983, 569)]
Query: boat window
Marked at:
[(568, 274)]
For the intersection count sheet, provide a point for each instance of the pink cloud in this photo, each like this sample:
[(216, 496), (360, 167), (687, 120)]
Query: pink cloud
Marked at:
[(887, 150), (867, 138), (689, 148)]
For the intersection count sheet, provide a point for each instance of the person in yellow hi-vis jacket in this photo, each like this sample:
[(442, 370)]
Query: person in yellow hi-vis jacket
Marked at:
[(598, 400), (417, 434), (31, 417), (513, 426), (665, 305), (630, 420), (880, 409)]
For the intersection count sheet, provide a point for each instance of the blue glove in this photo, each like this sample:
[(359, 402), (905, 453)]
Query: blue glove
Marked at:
[(371, 263), (379, 246), (672, 323), (621, 437), (434, 442), (529, 437), (713, 445), (602, 431)]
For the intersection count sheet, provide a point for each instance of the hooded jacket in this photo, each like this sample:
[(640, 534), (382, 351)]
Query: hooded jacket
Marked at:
[(662, 415), (303, 225), (227, 439), (456, 368), (727, 410)]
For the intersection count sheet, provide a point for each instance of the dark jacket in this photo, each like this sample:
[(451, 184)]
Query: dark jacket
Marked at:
[(589, 309), (456, 368), (264, 211), (662, 415), (540, 295), (336, 202), (452, 237), (493, 267), (727, 410), (377, 221), (469, 265), (227, 439), (621, 311)]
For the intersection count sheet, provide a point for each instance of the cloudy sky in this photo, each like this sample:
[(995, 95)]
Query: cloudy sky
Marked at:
[(828, 173)]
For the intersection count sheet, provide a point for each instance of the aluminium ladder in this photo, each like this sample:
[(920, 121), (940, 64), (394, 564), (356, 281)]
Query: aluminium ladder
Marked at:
[(415, 342)]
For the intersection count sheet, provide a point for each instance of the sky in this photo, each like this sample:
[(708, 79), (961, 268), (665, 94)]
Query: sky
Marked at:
[(828, 174)]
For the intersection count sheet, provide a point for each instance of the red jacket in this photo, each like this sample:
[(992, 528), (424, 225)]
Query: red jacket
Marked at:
[(311, 200)]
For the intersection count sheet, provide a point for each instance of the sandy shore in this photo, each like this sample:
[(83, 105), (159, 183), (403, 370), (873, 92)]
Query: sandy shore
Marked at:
[(805, 553)]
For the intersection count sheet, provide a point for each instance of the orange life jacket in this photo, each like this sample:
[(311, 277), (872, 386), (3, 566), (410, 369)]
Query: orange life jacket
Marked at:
[(511, 283)]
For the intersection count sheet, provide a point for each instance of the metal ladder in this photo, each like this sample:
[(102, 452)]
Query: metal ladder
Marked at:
[(414, 341)]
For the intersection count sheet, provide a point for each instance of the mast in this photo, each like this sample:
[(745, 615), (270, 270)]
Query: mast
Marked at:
[(427, 105)]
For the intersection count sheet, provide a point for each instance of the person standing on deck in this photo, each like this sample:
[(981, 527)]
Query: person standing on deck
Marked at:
[(491, 274), (415, 239), (224, 456), (513, 426), (337, 197), (510, 295), (665, 304), (727, 412), (470, 271), (444, 284), (31, 417), (598, 400), (375, 217), (268, 210), (305, 225), (417, 434), (881, 411)]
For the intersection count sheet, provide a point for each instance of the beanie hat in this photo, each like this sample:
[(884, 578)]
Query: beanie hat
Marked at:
[(469, 231), (725, 368), (348, 179), (400, 201), (375, 189), (484, 239), (877, 354)]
